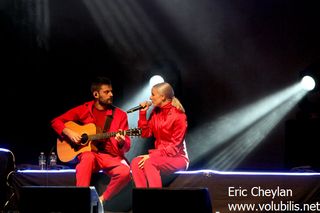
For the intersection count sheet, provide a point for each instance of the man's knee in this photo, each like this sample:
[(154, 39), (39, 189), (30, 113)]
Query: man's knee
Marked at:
[(125, 173), (87, 157)]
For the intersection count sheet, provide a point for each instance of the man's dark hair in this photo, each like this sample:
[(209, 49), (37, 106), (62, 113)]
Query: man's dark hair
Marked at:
[(98, 82)]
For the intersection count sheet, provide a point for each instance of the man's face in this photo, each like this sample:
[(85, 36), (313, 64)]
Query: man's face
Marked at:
[(105, 95)]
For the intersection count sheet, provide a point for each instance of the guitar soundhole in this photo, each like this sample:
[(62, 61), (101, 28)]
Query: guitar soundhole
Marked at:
[(84, 139)]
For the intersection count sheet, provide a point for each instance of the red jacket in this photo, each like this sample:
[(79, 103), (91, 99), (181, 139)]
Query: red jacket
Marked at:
[(168, 125), (84, 115)]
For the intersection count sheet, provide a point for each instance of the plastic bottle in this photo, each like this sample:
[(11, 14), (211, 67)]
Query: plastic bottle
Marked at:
[(53, 160), (42, 161)]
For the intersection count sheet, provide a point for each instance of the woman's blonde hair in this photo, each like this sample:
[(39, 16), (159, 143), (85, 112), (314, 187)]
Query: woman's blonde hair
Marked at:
[(166, 90)]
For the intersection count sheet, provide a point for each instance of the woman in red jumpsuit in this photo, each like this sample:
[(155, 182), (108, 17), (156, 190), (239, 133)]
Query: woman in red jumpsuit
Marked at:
[(168, 125)]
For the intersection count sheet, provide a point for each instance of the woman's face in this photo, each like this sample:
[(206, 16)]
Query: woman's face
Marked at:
[(156, 98)]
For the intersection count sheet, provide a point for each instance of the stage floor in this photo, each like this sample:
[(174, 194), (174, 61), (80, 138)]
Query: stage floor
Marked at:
[(229, 191)]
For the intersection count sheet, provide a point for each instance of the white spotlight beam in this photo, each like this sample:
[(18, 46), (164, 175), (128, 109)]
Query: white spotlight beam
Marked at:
[(126, 24), (228, 126), (136, 143), (236, 151)]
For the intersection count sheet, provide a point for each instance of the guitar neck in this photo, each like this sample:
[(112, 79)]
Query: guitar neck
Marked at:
[(100, 136)]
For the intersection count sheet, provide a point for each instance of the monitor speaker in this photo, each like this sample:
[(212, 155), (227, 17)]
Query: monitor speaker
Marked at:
[(171, 200), (48, 199)]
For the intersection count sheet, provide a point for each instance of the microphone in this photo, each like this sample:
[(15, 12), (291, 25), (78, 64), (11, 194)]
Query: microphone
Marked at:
[(139, 107)]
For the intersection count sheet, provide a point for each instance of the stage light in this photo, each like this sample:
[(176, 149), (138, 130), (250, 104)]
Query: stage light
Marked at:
[(310, 76), (155, 80), (308, 83)]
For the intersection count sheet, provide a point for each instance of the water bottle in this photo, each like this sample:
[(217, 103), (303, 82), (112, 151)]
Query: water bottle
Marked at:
[(42, 161), (53, 160)]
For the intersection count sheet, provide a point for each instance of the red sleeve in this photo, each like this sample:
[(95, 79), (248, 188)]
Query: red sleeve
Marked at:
[(71, 115), (124, 126), (120, 121), (144, 124)]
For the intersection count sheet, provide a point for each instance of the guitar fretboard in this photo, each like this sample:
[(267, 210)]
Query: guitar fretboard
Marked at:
[(103, 135)]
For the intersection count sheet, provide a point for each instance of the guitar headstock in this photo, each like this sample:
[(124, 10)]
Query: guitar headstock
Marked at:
[(134, 132)]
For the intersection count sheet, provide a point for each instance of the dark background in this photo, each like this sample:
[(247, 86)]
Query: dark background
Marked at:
[(218, 54)]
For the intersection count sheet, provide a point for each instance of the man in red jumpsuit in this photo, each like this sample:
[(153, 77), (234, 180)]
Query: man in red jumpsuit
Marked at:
[(110, 153), (168, 125)]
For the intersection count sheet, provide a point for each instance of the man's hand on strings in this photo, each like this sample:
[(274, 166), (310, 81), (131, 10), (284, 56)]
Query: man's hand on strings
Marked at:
[(120, 138)]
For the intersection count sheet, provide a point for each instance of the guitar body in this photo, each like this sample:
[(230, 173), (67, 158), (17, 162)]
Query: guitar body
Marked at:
[(66, 150)]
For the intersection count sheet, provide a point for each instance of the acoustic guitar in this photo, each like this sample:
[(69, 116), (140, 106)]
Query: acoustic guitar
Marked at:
[(67, 150)]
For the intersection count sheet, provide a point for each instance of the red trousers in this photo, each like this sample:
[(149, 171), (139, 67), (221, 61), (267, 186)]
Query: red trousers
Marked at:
[(115, 167), (150, 175)]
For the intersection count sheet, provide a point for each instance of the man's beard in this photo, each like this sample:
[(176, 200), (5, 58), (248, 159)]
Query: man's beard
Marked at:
[(106, 102)]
